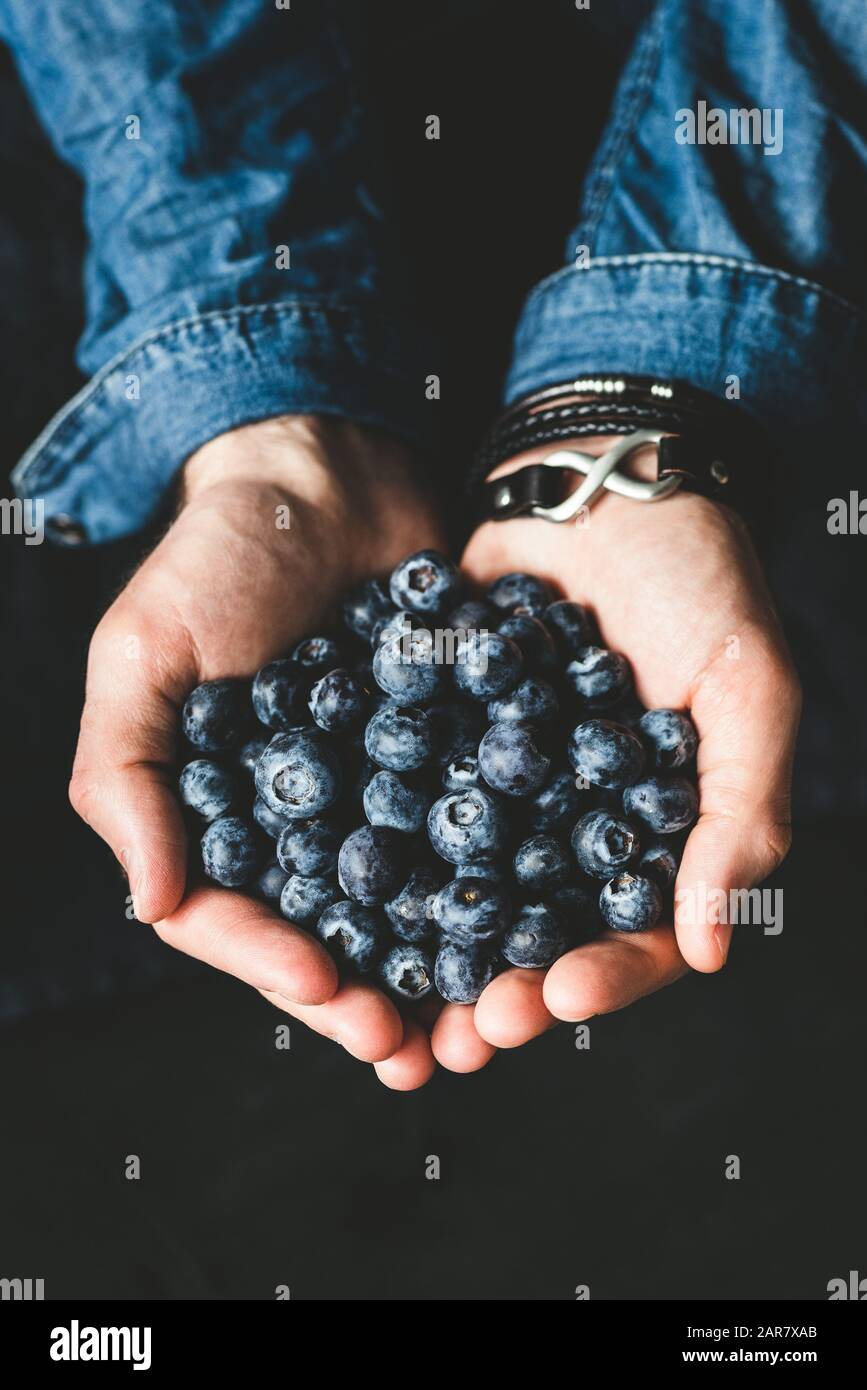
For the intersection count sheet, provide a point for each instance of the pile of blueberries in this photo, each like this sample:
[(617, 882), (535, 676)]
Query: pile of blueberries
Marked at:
[(445, 786)]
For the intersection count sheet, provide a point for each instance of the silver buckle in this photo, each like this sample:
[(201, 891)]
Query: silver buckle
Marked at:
[(602, 472)]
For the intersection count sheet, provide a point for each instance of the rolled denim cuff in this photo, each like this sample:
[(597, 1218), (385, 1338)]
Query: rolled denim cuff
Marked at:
[(791, 352), (103, 465)]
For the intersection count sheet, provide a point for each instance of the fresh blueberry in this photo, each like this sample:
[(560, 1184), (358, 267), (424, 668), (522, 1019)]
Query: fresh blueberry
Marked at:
[(570, 625), (230, 851), (541, 863), (487, 666), (207, 788), (599, 676), (556, 804), (513, 591), (466, 826), (338, 701), (533, 701), (250, 753), (304, 899), (472, 909), (630, 903), (511, 760), (532, 639), (353, 934), (365, 606), (456, 727), (604, 844), (409, 911), (370, 866), (536, 938), (670, 737), (606, 754), (628, 711), (461, 773), (401, 802), (399, 738), (462, 972), (298, 775), (473, 615), (659, 862), (268, 820), (270, 882), (496, 872), (316, 655), (217, 715), (665, 803), (399, 624), (309, 847), (406, 668), (408, 971), (426, 583), (278, 692)]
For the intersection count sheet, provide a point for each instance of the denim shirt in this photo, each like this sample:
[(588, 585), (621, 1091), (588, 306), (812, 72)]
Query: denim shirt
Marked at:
[(240, 263)]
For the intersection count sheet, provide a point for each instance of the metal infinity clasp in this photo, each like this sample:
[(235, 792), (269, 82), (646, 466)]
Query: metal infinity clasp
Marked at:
[(603, 472)]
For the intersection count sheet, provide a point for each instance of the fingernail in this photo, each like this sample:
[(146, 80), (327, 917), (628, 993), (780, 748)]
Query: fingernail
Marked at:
[(722, 936)]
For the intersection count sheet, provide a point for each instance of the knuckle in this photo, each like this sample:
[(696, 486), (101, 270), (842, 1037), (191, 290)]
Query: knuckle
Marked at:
[(83, 794), (776, 840)]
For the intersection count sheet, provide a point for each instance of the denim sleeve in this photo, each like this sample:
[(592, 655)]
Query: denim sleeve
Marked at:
[(238, 267), (738, 267)]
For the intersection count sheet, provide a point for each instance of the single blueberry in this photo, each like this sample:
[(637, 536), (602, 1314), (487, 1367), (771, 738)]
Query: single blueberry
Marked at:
[(670, 737), (399, 737), (408, 971), (570, 625), (665, 803), (354, 935), (278, 691), (230, 851), (309, 847), (533, 701), (316, 655), (268, 820), (304, 898), (456, 727), (599, 676), (250, 753), (407, 669), (216, 715), (630, 903), (207, 788), (659, 862), (556, 804), (496, 872), (511, 760), (426, 583), (371, 864), (399, 624), (536, 938), (474, 614), (466, 826), (487, 666), (399, 801), (606, 754), (410, 910), (365, 606), (513, 591), (462, 972), (298, 775), (532, 639), (338, 701), (270, 882), (461, 773), (472, 909), (541, 863), (604, 844)]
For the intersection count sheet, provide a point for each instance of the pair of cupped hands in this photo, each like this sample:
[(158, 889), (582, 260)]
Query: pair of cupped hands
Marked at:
[(675, 586)]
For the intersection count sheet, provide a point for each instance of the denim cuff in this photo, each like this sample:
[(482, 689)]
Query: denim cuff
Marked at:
[(798, 351), (103, 465)]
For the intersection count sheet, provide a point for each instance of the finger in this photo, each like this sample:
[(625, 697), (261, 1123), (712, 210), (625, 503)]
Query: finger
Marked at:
[(611, 972), (358, 1017), (412, 1065), (246, 939), (746, 712), (456, 1043), (511, 1010), (123, 782)]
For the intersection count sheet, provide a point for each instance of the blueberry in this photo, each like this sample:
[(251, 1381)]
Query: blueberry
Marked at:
[(659, 862), (578, 906), (365, 606), (496, 872), (556, 804), (304, 898), (604, 844), (570, 625), (316, 655), (399, 738), (399, 624), (599, 676), (370, 866), (309, 847), (513, 591), (268, 820), (666, 804), (541, 863), (230, 852), (461, 773), (298, 775), (464, 826), (456, 727), (670, 737), (270, 882), (462, 972), (207, 788), (408, 971), (630, 903), (487, 666), (533, 700), (536, 938), (401, 802), (406, 668), (409, 911), (606, 754), (338, 701), (472, 909), (216, 715), (250, 753), (277, 695), (511, 760), (353, 934), (426, 583), (532, 639), (474, 614)]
